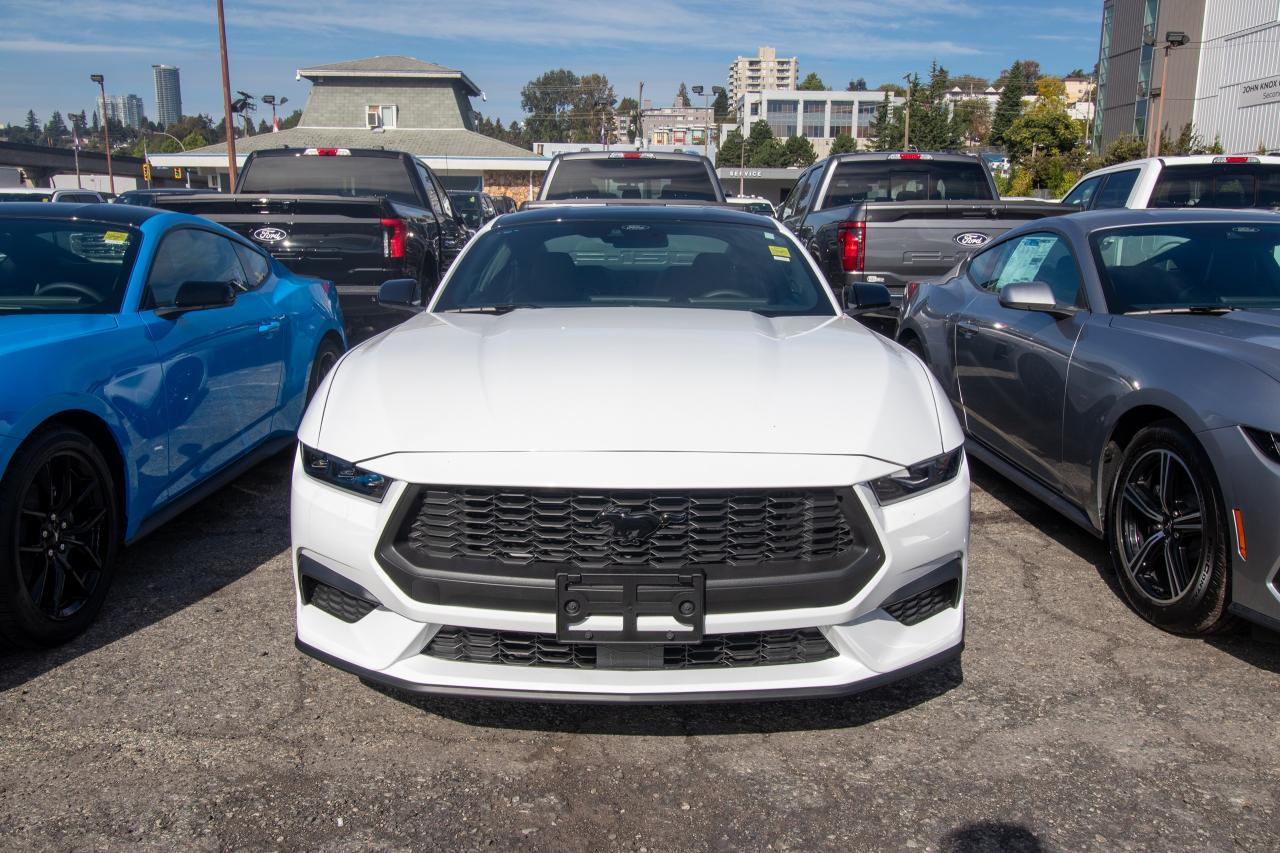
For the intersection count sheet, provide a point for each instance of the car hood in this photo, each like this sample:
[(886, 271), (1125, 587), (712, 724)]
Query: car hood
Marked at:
[(1252, 337), (629, 379), (28, 331)]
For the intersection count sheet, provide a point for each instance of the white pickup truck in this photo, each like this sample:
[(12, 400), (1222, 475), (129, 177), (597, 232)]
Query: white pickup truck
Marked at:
[(1232, 181)]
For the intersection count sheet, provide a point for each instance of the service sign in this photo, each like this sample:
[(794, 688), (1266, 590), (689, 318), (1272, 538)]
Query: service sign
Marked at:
[(1257, 92)]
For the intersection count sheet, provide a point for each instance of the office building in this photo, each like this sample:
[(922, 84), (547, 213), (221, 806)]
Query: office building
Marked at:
[(762, 72), (820, 116), (126, 109), (168, 94), (1224, 80)]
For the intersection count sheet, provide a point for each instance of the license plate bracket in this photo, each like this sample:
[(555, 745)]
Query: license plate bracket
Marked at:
[(580, 596)]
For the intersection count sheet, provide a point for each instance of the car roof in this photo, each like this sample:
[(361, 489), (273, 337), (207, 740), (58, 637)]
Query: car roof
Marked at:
[(112, 214), (1087, 222), (1185, 160), (944, 156), (568, 211), (618, 155), (43, 190), (296, 150)]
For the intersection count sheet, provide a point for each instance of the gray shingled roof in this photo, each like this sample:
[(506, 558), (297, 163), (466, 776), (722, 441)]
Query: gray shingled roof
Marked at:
[(388, 64), (431, 142)]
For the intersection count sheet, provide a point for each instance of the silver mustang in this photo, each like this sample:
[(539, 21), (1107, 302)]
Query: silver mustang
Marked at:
[(1124, 366)]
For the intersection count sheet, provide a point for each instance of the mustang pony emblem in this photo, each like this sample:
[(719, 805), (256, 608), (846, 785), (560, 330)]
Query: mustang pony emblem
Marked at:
[(637, 526)]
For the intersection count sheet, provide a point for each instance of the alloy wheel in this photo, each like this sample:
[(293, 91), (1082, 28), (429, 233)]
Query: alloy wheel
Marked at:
[(63, 536), (1161, 526)]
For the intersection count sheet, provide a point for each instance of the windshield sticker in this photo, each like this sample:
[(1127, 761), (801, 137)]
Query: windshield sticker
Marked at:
[(780, 253), (768, 235), (115, 237)]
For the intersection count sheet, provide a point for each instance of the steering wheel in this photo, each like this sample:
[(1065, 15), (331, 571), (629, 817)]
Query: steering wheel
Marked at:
[(732, 294), (74, 286)]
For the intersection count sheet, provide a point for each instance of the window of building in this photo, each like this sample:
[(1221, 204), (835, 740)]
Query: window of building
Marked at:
[(842, 118), (755, 109), (815, 118), (782, 118), (866, 118), (1104, 59), (380, 115)]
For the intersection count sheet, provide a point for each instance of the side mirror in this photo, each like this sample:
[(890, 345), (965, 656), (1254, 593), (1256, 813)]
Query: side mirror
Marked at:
[(400, 294), (199, 296), (1030, 296), (863, 296)]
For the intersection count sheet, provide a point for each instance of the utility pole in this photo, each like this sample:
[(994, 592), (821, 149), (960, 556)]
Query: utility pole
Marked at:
[(1172, 39), (906, 124), (106, 132), (226, 99), (639, 116)]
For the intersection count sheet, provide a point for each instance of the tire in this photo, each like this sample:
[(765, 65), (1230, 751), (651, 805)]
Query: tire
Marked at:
[(912, 345), (57, 496), (1168, 535), (327, 355)]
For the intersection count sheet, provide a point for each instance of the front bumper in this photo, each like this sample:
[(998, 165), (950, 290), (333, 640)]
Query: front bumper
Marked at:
[(924, 537)]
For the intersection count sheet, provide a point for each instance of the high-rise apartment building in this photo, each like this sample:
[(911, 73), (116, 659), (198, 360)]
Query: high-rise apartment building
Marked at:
[(762, 72), (168, 94), (126, 109)]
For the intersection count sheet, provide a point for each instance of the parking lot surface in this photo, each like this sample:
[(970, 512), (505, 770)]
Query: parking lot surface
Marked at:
[(185, 719)]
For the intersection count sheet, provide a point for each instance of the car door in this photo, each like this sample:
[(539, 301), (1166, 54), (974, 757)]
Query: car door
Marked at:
[(1011, 364), (453, 234), (222, 366)]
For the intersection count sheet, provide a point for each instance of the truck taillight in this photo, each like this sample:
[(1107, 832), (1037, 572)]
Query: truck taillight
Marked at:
[(327, 152), (909, 293), (853, 245), (393, 234), (1235, 159)]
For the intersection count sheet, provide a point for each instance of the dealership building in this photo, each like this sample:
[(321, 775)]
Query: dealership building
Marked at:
[(1222, 76), (819, 115)]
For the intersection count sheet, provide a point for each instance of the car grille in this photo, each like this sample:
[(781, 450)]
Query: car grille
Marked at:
[(518, 527), (512, 648), (919, 607)]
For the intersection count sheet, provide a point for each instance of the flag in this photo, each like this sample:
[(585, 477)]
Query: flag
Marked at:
[(275, 124)]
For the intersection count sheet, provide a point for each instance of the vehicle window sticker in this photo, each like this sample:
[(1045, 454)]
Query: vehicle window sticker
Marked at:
[(1024, 263), (780, 253)]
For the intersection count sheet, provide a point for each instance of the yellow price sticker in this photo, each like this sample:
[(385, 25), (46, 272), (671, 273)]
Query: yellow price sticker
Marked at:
[(780, 253), (115, 237)]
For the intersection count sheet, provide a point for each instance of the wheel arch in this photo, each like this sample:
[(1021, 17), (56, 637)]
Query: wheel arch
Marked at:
[(93, 426), (1121, 434)]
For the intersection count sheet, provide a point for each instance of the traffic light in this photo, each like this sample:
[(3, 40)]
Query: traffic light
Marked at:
[(146, 171), (177, 173)]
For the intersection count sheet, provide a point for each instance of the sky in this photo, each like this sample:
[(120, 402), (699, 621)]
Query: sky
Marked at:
[(48, 48)]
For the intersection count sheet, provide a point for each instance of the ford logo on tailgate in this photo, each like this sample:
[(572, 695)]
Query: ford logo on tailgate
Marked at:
[(971, 239), (269, 235)]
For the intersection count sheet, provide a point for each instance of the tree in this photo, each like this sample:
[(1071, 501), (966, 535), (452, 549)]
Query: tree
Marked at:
[(971, 120), (1046, 126), (720, 107), (798, 151), (682, 96), (195, 139), (732, 150), (892, 87), (1028, 70), (1076, 72), (592, 110), (1009, 107), (812, 83), (886, 129), (763, 149), (55, 129), (33, 123), (843, 144), (1188, 142), (547, 100), (291, 120), (859, 85), (931, 126)]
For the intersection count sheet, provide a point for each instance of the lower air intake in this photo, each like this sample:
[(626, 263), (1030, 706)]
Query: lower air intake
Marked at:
[(919, 607), (335, 602), (512, 648)]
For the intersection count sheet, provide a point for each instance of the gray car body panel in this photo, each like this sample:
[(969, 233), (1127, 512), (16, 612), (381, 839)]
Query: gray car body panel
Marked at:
[(1046, 420)]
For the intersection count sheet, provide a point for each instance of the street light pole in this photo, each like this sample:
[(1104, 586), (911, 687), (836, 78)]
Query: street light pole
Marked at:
[(1172, 39), (226, 98), (106, 130)]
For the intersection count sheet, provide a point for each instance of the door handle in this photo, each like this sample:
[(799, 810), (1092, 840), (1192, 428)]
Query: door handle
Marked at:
[(268, 327), (966, 330)]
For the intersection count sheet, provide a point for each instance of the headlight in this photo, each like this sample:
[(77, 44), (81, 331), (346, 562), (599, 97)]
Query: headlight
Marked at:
[(1267, 442), (343, 474), (914, 479)]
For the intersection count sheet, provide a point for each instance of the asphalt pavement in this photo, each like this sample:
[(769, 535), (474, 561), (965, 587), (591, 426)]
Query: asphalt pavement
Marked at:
[(186, 719)]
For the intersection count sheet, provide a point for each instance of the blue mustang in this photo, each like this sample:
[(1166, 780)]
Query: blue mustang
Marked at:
[(146, 358)]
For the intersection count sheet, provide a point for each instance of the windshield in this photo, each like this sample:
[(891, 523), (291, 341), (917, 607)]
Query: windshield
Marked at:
[(1196, 265), (4, 196), (1210, 185), (467, 206), (634, 178), (304, 174), (636, 262), (907, 180), (57, 267)]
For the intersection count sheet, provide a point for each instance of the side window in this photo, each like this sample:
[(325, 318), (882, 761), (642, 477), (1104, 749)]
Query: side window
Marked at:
[(445, 206), (433, 197), (1042, 257), (190, 255), (792, 206), (1083, 192), (1115, 192), (983, 267), (257, 269)]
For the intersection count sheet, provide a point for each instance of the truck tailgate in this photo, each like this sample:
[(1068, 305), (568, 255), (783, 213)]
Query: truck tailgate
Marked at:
[(332, 237), (907, 241)]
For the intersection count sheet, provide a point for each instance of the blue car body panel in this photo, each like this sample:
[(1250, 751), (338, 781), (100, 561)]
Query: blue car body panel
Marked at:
[(183, 397)]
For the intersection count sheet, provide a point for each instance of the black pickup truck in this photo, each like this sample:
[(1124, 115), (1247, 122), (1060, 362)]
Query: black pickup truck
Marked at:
[(356, 217), (630, 176), (893, 217)]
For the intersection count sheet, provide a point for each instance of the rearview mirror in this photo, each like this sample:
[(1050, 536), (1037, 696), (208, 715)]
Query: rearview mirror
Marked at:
[(199, 296), (400, 294), (863, 296), (1030, 296)]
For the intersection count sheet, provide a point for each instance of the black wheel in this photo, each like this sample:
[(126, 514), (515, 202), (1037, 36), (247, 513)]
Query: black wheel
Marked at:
[(59, 532), (912, 345), (326, 357), (1168, 535)]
